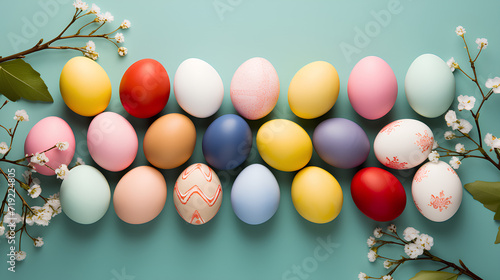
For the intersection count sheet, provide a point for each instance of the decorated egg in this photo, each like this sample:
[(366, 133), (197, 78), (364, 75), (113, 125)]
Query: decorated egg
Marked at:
[(437, 191), (227, 142), (197, 194), (316, 195), (112, 141), (140, 195), (85, 195), (145, 88), (378, 194), (255, 195), (255, 88), (85, 86), (313, 90), (198, 88), (169, 141), (284, 145), (45, 134), (372, 88), (403, 144), (341, 143), (429, 86)]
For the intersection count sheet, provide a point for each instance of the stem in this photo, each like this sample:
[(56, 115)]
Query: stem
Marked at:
[(5, 103), (12, 134), (462, 270)]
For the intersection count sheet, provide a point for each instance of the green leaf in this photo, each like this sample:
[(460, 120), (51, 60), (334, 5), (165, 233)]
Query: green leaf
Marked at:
[(434, 275), (498, 236), (497, 214), (488, 193), (19, 80)]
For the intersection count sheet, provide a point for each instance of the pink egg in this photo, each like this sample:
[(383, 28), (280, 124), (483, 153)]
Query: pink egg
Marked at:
[(255, 88), (45, 134), (372, 88), (112, 141)]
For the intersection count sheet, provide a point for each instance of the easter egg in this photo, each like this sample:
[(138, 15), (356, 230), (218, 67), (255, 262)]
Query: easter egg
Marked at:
[(85, 87), (378, 194), (341, 143), (284, 145), (403, 144), (112, 141), (255, 88), (198, 88), (197, 194), (44, 135), (429, 86), (316, 195), (437, 191), (313, 90), (227, 142), (85, 195), (255, 195), (145, 88), (372, 88), (169, 141), (140, 195)]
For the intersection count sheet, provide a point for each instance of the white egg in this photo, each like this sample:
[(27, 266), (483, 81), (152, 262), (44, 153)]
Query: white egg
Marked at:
[(198, 88), (403, 144), (437, 191)]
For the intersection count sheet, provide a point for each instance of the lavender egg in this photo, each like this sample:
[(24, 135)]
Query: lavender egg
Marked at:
[(341, 143)]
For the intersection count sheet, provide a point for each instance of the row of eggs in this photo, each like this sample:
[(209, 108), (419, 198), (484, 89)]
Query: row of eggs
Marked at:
[(372, 88), (284, 145)]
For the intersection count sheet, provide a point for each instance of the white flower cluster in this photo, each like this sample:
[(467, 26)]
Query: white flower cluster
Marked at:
[(418, 242), (461, 125), (41, 216), (4, 148)]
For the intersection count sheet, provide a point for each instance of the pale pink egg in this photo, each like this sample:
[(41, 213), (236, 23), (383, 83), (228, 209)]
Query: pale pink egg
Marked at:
[(112, 141), (255, 88), (44, 135), (372, 88)]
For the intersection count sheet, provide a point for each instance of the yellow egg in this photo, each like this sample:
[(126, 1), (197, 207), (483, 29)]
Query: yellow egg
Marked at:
[(85, 86), (316, 195), (314, 90), (284, 145)]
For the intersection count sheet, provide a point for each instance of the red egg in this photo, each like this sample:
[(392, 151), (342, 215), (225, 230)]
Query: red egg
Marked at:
[(378, 194), (145, 88)]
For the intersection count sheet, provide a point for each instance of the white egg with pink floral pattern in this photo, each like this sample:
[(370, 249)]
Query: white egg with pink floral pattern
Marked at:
[(437, 191), (403, 144)]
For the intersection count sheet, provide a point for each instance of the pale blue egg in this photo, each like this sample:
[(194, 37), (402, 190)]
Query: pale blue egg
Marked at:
[(85, 195), (255, 195), (430, 86)]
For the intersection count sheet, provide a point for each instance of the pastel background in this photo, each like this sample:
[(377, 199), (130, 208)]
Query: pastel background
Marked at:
[(225, 33)]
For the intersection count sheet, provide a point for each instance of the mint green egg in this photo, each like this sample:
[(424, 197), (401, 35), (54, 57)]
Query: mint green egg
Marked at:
[(430, 86), (85, 195)]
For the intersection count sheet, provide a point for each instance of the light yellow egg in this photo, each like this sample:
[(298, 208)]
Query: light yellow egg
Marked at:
[(85, 86), (314, 90), (316, 195), (284, 145)]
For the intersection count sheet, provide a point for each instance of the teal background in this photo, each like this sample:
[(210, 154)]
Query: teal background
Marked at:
[(289, 34)]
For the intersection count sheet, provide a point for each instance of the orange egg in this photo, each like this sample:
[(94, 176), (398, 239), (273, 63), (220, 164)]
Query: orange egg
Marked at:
[(169, 141)]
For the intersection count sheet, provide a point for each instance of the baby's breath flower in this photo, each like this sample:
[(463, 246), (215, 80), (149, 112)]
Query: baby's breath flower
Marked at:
[(371, 241), (460, 30), (79, 5), (466, 102), (387, 277), (448, 135), (435, 144), (410, 233), (2, 230), (11, 217), (451, 119), (107, 17), (35, 190), (54, 204), (79, 161), (377, 232), (387, 264), (460, 148), (122, 51), (391, 228), (425, 241), (94, 9), (452, 64), (92, 55), (413, 250), (90, 46), (455, 162), (362, 276), (119, 38), (3, 148), (39, 158), (62, 146), (433, 157), (372, 256), (62, 172), (493, 84), (20, 255), (125, 24), (464, 126), (21, 116), (492, 141), (38, 242), (482, 43)]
